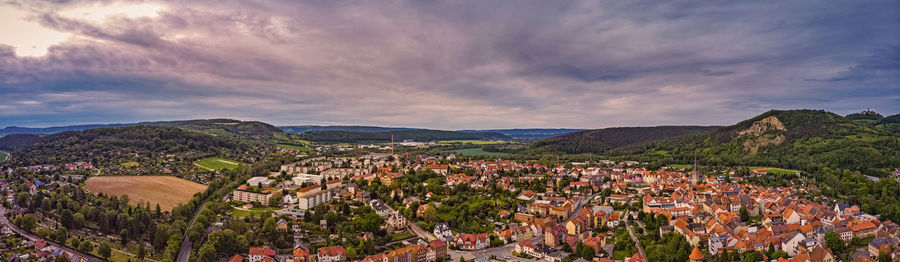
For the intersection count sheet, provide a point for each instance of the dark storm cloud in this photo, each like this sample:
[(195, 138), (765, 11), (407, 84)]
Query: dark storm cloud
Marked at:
[(457, 64)]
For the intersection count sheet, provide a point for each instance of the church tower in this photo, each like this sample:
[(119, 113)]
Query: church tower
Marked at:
[(695, 174)]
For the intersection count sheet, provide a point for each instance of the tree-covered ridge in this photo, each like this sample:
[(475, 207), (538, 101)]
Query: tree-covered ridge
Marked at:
[(873, 116), (110, 146), (223, 127), (893, 119), (11, 142), (416, 135), (604, 140), (810, 139), (314, 128)]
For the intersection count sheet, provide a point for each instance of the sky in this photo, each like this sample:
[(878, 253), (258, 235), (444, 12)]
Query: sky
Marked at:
[(444, 64)]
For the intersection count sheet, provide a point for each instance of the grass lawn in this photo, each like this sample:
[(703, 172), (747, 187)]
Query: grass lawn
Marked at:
[(131, 164), (620, 254), (217, 163), (774, 170), (3, 155), (476, 142), (479, 152), (254, 212), (402, 236)]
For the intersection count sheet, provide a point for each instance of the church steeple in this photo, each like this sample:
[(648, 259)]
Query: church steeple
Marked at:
[(695, 174)]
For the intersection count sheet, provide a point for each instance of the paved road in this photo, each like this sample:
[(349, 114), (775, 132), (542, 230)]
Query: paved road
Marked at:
[(185, 252), (633, 238), (416, 229), (29, 236)]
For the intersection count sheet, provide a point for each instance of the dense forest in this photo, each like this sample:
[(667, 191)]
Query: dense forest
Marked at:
[(416, 135), (315, 128), (797, 139), (11, 142), (604, 140), (107, 145), (222, 127)]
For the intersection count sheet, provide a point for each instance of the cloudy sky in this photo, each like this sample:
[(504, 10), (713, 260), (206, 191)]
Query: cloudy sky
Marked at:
[(445, 64)]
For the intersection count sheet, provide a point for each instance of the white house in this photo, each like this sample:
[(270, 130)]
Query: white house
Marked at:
[(442, 232), (259, 181), (790, 244)]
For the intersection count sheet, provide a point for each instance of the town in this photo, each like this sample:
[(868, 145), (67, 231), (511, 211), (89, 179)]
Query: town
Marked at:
[(384, 206)]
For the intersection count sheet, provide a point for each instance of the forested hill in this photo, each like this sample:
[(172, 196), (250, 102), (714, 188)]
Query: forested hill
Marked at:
[(416, 135), (112, 144), (49, 130), (367, 129), (223, 127), (518, 133), (604, 140), (797, 139), (11, 142), (529, 133)]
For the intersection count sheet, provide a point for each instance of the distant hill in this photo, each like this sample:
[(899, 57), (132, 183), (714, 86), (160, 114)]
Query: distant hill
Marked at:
[(518, 133), (110, 144), (51, 130), (11, 142), (227, 127), (893, 119), (365, 129), (604, 140), (872, 116), (528, 133), (797, 139), (416, 135)]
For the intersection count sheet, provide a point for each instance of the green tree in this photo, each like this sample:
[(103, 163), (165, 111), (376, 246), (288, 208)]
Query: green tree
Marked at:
[(745, 215), (104, 250), (270, 230), (61, 234), (567, 248), (833, 240), (142, 250), (208, 253), (27, 222), (77, 220), (66, 218)]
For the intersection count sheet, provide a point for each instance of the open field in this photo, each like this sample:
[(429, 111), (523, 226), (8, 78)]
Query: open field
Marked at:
[(217, 163), (479, 152), (474, 142), (3, 155), (774, 170), (131, 164), (168, 191), (301, 148)]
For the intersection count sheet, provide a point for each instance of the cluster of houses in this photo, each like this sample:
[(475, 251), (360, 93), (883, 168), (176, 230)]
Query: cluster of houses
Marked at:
[(393, 220), (706, 211), (420, 252), (69, 167), (39, 250)]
